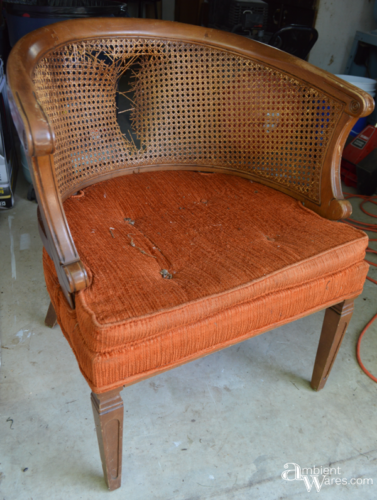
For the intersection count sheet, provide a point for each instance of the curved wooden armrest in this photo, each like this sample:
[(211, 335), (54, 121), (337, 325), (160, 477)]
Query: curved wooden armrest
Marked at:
[(54, 230), (38, 140), (31, 123)]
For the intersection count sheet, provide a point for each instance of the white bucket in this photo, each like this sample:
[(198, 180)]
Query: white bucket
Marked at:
[(366, 84)]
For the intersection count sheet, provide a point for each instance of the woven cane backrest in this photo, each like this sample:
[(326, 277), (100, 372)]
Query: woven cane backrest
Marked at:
[(188, 104)]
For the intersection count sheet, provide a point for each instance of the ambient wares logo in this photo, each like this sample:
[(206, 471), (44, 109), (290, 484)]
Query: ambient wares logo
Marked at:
[(319, 476)]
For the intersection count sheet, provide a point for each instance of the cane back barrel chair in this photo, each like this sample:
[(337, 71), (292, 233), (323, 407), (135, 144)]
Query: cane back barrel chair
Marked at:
[(225, 226)]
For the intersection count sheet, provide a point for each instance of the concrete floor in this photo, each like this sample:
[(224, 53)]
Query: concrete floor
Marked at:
[(219, 428)]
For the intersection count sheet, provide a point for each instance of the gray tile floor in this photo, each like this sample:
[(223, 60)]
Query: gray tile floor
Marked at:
[(219, 428)]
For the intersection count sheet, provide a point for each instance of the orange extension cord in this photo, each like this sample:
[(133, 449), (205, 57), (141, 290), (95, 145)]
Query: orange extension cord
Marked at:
[(365, 226)]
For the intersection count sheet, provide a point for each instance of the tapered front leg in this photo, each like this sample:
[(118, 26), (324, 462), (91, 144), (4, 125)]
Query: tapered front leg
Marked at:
[(108, 417), (334, 327), (50, 319)]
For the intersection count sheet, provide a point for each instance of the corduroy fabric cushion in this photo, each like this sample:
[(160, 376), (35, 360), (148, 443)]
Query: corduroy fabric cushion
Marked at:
[(242, 256)]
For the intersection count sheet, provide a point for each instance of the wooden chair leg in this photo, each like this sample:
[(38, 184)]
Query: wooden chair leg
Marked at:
[(50, 319), (334, 327), (108, 417)]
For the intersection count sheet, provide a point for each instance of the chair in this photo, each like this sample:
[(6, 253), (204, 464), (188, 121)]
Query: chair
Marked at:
[(216, 224)]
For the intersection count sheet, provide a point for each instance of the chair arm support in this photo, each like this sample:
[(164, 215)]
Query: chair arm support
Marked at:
[(38, 140), (334, 206), (54, 230)]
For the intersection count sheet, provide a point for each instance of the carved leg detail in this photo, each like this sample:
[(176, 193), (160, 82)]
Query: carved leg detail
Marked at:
[(50, 319), (108, 417), (334, 327)]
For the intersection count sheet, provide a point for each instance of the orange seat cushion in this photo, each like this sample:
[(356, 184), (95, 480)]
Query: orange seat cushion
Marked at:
[(242, 257)]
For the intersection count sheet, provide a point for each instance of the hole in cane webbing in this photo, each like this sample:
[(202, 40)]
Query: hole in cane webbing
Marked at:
[(125, 103)]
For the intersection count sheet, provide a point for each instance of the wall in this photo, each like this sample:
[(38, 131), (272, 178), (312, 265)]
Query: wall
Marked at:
[(337, 23), (168, 7)]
